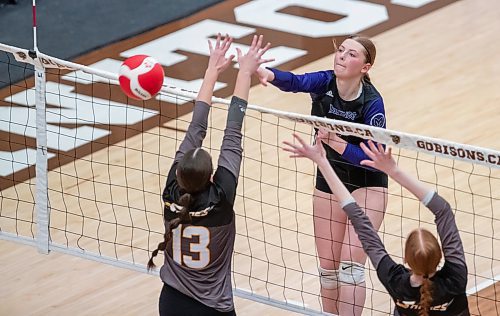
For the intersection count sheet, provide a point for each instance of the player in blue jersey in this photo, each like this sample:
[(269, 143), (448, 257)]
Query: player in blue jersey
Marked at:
[(198, 213), (346, 94), (422, 289)]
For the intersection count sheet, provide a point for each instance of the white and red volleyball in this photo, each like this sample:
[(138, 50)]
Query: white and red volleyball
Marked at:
[(141, 77)]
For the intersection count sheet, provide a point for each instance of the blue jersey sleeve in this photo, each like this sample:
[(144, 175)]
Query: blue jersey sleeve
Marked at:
[(313, 82), (374, 116)]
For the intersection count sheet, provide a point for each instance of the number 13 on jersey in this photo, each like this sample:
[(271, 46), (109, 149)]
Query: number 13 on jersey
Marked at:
[(199, 253)]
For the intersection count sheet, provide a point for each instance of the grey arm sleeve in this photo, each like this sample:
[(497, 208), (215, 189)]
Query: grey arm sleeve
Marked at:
[(372, 244), (447, 229), (196, 131), (231, 150)]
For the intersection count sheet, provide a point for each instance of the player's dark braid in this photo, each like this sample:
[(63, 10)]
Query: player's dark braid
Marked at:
[(425, 296), (183, 218), (193, 175)]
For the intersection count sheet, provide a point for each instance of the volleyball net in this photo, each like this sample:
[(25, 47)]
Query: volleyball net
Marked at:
[(82, 170)]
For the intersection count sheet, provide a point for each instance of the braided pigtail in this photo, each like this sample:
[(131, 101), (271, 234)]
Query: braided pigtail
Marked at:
[(425, 297), (183, 218)]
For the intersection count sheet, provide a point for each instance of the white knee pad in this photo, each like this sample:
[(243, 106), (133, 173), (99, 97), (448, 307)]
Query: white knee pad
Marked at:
[(329, 279), (351, 273)]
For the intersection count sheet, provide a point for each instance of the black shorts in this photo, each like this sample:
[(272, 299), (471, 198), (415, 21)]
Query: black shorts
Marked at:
[(175, 303), (353, 177)]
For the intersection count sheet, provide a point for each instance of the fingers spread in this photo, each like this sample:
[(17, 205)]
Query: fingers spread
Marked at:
[(301, 141), (254, 42), (264, 49), (263, 61), (292, 145), (369, 151), (217, 43), (368, 163), (373, 148)]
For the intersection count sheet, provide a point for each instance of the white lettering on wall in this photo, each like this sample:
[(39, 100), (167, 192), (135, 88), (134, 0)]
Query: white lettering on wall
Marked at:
[(64, 107), (14, 161), (193, 39), (359, 15), (412, 3)]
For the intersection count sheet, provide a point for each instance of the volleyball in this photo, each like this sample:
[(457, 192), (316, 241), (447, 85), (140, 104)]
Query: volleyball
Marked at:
[(141, 77)]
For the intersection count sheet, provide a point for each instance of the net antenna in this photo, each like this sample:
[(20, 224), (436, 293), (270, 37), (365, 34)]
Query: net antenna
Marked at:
[(35, 47)]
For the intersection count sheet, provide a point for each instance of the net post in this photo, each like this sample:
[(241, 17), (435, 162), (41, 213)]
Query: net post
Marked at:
[(42, 212)]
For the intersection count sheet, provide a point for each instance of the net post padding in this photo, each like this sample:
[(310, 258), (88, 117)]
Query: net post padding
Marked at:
[(41, 161)]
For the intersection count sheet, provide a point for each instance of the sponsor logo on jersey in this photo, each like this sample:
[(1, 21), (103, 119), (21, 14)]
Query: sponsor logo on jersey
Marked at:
[(348, 115)]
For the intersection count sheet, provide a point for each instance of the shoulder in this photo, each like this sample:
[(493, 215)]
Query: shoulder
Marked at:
[(454, 276), (224, 177), (373, 108), (171, 190), (390, 273), (371, 94), (331, 76), (226, 184)]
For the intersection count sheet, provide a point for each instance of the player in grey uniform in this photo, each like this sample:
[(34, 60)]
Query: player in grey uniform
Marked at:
[(199, 216), (421, 290)]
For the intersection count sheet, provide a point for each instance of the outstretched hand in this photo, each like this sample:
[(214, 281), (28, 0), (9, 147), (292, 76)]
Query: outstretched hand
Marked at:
[(381, 158), (250, 62), (314, 152), (218, 61), (263, 74)]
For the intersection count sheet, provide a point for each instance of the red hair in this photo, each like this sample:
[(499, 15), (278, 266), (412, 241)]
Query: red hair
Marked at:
[(423, 254)]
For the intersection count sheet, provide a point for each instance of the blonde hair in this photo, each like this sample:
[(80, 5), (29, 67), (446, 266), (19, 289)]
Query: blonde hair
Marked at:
[(423, 254)]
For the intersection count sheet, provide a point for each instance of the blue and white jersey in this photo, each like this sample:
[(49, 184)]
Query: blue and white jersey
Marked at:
[(367, 108)]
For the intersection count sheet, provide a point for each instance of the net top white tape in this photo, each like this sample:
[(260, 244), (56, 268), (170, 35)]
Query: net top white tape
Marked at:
[(429, 145)]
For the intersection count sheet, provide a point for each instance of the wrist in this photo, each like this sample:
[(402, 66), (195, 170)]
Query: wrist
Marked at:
[(211, 73), (245, 72), (394, 173), (322, 163)]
